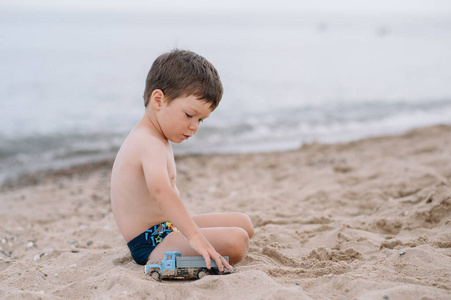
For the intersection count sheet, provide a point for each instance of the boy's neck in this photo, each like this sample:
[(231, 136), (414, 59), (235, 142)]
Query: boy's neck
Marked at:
[(152, 123)]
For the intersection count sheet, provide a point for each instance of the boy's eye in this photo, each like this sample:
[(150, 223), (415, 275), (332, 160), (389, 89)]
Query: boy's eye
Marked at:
[(191, 116)]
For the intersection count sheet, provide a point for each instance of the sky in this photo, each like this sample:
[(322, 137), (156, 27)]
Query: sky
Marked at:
[(350, 6)]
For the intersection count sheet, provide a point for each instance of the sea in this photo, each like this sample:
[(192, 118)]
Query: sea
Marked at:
[(71, 83)]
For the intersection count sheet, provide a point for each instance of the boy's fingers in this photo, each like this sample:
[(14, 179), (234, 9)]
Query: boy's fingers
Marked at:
[(219, 263), (217, 258), (226, 264), (207, 261)]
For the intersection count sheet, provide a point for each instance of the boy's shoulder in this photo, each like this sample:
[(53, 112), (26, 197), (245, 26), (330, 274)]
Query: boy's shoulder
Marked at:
[(142, 140), (143, 135)]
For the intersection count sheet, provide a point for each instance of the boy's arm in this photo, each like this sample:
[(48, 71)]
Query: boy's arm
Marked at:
[(154, 161)]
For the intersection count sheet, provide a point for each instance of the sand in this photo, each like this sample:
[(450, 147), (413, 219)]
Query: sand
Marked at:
[(369, 219)]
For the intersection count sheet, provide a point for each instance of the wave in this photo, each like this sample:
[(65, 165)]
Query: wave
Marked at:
[(271, 130)]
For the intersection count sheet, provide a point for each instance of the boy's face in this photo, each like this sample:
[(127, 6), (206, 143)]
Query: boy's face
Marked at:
[(180, 119)]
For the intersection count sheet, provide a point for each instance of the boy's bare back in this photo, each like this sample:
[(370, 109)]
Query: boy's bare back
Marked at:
[(134, 208)]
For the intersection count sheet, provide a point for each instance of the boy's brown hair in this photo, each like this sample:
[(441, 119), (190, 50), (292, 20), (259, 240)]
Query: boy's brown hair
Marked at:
[(182, 73)]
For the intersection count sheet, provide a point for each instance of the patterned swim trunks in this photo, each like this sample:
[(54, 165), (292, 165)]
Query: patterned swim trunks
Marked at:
[(142, 245)]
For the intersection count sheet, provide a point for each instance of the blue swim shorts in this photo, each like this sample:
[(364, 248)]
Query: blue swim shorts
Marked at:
[(142, 245)]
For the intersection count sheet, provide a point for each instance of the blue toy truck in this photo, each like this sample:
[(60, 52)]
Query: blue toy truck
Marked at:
[(175, 266)]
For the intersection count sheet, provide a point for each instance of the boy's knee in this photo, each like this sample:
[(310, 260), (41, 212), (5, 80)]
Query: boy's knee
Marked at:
[(246, 224), (239, 244), (243, 236)]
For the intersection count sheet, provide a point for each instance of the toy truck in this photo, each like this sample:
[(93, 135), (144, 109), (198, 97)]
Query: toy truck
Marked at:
[(175, 266)]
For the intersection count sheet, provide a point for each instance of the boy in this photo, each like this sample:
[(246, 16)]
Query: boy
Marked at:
[(182, 89)]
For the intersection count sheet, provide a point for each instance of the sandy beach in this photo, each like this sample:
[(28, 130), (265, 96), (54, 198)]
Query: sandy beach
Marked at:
[(369, 219)]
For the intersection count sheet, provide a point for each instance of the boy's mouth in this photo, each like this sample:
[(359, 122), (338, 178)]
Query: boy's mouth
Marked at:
[(186, 136)]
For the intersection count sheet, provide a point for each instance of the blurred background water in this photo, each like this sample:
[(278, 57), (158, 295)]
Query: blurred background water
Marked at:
[(71, 81)]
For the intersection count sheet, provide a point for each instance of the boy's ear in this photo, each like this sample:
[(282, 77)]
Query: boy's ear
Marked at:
[(157, 99)]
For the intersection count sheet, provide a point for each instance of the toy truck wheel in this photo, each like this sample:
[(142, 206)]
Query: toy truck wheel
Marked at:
[(214, 271), (202, 273), (156, 275)]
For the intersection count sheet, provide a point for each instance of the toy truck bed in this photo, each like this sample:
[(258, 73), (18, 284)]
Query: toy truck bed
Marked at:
[(194, 262)]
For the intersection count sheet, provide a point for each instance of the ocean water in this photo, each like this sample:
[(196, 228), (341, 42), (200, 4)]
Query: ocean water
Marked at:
[(71, 84)]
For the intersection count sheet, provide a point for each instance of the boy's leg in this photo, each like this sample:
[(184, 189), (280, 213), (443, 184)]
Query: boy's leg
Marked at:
[(225, 220), (228, 241)]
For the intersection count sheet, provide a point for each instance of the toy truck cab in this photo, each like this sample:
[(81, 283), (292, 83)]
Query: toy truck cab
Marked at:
[(173, 265), (169, 259), (163, 268)]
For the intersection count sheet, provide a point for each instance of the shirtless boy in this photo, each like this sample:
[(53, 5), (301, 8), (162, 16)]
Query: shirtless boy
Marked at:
[(182, 89)]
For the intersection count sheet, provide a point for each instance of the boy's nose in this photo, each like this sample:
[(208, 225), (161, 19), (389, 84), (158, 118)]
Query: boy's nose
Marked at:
[(193, 126)]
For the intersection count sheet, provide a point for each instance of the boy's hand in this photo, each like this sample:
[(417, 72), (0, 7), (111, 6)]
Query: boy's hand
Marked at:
[(200, 244)]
